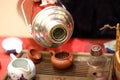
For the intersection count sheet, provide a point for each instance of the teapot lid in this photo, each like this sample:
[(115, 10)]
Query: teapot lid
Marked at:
[(96, 50)]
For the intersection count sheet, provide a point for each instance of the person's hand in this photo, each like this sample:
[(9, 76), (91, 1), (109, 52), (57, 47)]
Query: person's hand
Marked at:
[(36, 0), (47, 1)]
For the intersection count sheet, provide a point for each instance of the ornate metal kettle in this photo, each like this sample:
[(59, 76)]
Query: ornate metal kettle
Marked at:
[(50, 24)]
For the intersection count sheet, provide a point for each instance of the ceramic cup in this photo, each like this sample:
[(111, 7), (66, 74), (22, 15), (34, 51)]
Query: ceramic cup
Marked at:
[(21, 68), (34, 55)]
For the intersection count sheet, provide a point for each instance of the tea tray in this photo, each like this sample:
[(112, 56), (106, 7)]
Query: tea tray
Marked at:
[(78, 71)]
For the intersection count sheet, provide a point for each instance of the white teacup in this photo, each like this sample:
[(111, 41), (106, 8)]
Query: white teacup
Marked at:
[(21, 68)]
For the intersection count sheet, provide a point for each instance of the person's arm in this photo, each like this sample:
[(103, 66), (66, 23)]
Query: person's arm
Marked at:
[(46, 1)]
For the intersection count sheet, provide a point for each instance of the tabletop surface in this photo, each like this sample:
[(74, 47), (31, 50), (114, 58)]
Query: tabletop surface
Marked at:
[(73, 45), (46, 71)]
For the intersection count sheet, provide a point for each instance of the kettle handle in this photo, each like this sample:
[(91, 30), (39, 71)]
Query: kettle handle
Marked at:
[(13, 57)]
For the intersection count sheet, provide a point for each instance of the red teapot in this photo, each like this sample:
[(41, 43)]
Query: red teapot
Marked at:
[(61, 60)]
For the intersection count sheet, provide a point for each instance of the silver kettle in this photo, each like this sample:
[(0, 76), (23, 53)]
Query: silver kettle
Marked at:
[(50, 24)]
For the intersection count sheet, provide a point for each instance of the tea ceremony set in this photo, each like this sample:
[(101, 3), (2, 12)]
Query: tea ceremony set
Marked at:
[(51, 27)]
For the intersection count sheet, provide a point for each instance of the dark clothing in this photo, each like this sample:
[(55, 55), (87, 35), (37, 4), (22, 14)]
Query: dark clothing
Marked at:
[(90, 15)]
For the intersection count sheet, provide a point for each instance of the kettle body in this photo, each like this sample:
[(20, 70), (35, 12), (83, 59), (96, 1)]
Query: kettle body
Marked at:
[(50, 24)]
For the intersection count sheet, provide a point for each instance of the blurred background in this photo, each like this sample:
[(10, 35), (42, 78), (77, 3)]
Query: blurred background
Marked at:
[(11, 24)]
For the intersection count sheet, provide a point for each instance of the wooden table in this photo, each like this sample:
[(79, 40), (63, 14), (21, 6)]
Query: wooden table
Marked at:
[(79, 70), (73, 45)]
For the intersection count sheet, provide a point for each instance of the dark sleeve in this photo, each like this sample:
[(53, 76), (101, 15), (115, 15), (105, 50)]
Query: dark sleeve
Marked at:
[(90, 15), (116, 7)]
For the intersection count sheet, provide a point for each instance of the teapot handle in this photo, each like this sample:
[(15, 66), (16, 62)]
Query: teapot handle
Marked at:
[(52, 53), (13, 57)]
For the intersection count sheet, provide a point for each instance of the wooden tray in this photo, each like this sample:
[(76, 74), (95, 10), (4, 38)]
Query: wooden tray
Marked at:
[(78, 71)]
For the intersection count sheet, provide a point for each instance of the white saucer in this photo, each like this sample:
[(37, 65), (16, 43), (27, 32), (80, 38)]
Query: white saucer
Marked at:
[(12, 43)]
